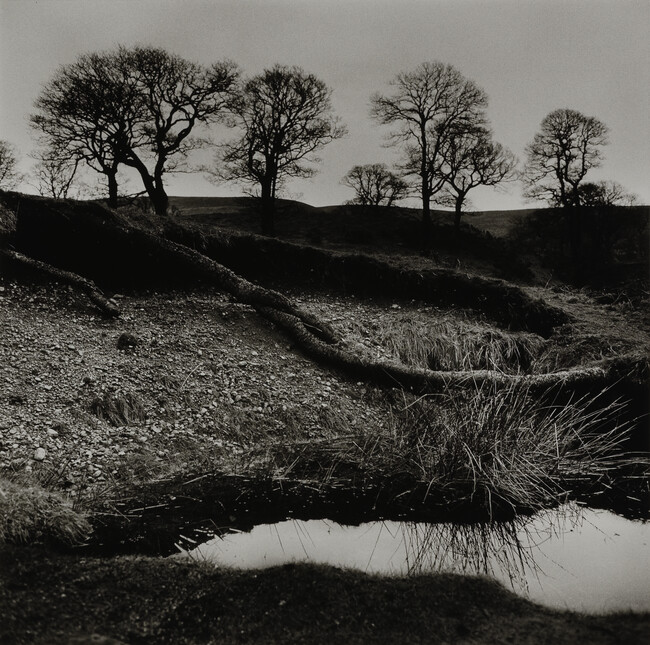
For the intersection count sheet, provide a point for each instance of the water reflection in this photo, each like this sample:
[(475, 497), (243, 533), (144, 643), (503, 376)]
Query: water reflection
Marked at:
[(573, 558)]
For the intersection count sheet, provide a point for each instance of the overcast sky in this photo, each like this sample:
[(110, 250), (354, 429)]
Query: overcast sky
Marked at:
[(531, 57)]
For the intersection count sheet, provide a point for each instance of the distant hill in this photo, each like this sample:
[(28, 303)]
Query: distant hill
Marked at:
[(394, 231), (497, 223)]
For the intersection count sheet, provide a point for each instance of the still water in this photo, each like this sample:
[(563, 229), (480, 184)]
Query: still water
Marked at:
[(580, 559)]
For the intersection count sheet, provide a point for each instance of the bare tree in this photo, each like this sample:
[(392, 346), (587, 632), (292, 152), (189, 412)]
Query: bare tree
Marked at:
[(375, 185), (176, 95), (606, 193), (88, 113), (53, 175), (9, 175), (135, 107), (468, 159), (425, 105), (566, 147), (285, 116)]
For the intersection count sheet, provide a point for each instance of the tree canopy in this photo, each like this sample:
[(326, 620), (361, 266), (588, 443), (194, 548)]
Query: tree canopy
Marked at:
[(469, 158), (285, 116), (375, 185), (567, 145), (424, 106), (135, 107), (9, 176)]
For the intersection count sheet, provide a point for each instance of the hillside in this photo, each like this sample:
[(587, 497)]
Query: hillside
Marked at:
[(196, 411)]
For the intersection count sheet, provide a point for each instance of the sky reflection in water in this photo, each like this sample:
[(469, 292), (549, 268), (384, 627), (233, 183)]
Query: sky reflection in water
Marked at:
[(584, 560)]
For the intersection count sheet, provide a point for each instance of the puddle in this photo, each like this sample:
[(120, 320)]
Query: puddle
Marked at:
[(580, 559)]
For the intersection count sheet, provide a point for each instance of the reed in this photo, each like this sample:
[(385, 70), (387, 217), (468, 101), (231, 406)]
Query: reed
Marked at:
[(487, 448)]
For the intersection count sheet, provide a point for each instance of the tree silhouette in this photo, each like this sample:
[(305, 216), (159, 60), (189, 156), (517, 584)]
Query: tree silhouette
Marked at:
[(285, 115), (9, 176), (375, 185), (566, 147), (606, 193), (468, 159), (54, 174), (425, 105), (135, 107)]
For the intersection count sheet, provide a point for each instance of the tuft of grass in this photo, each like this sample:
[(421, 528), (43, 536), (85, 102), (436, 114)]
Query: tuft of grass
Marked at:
[(490, 448), (503, 445), (29, 514), (119, 409), (7, 221), (448, 346)]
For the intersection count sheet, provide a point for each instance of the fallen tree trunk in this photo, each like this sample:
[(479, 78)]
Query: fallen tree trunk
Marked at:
[(87, 287), (86, 238)]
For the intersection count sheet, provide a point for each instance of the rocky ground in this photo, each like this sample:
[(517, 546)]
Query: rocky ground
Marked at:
[(183, 380), (87, 400)]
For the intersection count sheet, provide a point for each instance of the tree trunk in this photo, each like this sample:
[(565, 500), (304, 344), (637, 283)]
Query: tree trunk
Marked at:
[(458, 212), (153, 185), (426, 217), (77, 222), (112, 189), (84, 285), (159, 200), (268, 208)]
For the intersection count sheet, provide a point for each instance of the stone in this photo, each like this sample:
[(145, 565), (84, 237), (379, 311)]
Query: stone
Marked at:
[(40, 454), (127, 341)]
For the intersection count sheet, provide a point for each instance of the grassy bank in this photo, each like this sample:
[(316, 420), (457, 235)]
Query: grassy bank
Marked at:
[(51, 599)]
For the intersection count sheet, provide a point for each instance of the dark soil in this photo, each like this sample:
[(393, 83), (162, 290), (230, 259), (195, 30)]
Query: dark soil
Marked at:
[(52, 599)]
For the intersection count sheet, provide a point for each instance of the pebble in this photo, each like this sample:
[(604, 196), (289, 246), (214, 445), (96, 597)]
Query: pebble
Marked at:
[(40, 454)]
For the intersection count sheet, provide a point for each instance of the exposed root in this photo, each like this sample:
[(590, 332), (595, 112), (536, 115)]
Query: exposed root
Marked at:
[(87, 287), (393, 373)]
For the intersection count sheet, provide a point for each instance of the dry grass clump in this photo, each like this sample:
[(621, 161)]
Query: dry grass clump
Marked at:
[(29, 514), (7, 221), (486, 448), (569, 349), (503, 445), (458, 345), (119, 409)]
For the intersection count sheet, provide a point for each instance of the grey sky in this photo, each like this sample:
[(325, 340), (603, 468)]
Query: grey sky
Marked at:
[(531, 56)]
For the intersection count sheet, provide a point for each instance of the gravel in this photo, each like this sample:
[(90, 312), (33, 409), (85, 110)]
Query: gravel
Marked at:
[(196, 363)]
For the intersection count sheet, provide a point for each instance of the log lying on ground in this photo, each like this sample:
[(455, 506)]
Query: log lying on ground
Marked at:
[(91, 240), (261, 258), (13, 260)]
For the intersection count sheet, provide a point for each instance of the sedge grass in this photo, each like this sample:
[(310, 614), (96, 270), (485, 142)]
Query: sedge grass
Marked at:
[(489, 447), (451, 345), (29, 514)]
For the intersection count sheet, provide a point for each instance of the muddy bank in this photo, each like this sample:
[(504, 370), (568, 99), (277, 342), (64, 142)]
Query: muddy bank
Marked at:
[(159, 516)]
